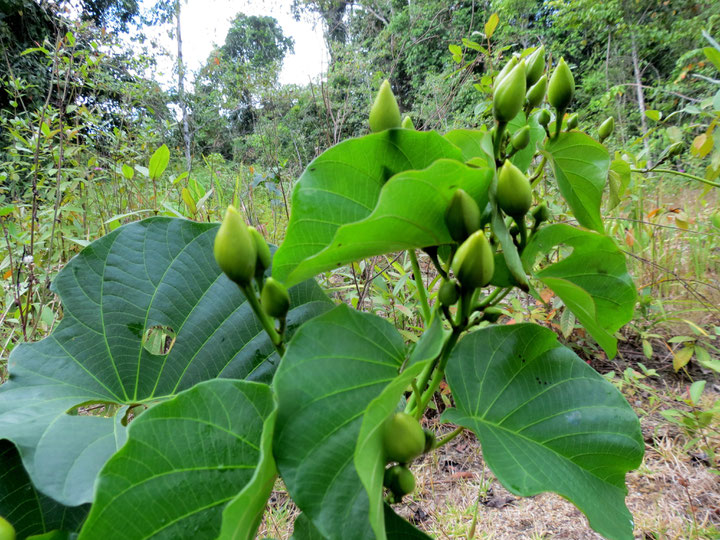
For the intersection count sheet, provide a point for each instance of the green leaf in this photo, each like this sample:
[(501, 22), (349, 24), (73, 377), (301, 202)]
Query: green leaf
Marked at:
[(333, 368), (184, 460), (410, 213), (713, 55), (547, 421), (242, 515), (523, 158), (592, 281), (474, 144), (128, 172), (152, 278), (369, 455), (25, 508), (491, 25), (343, 186), (619, 180), (431, 341), (159, 162), (653, 115), (303, 529), (581, 167)]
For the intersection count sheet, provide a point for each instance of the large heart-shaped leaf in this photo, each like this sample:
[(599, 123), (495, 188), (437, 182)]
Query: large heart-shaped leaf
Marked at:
[(333, 368), (156, 276), (410, 213), (184, 460), (581, 166), (343, 186), (593, 280), (547, 421), (28, 510)]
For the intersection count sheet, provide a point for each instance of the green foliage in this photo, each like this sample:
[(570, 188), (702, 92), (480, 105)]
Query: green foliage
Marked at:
[(223, 388)]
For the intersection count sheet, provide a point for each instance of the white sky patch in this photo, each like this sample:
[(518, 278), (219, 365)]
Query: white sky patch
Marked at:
[(206, 22)]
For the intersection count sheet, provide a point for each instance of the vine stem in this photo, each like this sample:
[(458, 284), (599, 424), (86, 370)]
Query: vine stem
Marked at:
[(422, 294), (678, 173), (449, 437), (439, 373), (267, 323)]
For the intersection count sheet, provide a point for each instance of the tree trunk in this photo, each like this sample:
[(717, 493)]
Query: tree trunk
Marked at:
[(641, 100), (181, 89)]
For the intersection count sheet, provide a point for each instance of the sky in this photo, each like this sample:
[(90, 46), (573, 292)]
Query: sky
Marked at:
[(205, 23)]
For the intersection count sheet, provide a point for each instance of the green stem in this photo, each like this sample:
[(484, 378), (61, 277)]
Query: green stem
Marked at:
[(267, 323), (520, 222), (497, 142), (538, 172), (422, 294), (421, 383), (439, 372), (485, 302), (558, 122), (449, 437), (678, 173)]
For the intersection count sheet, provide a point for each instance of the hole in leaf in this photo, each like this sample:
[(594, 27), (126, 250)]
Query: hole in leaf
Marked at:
[(159, 340)]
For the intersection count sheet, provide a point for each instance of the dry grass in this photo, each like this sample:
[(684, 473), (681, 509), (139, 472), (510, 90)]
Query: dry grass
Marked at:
[(672, 495)]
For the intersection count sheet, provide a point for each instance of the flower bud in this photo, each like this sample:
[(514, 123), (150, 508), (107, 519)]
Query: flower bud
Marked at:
[(234, 248), (572, 121), (540, 213), (606, 128), (507, 68), (514, 195), (536, 94), (448, 294), (535, 65), (385, 113), (399, 480), (521, 138), (274, 298), (675, 148), (473, 263), (509, 95), (561, 87), (543, 117), (263, 250), (462, 216), (407, 123)]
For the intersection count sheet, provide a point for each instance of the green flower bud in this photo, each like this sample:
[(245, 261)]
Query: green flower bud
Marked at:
[(675, 149), (407, 123), (473, 263), (506, 69), (509, 95), (399, 480), (234, 248), (535, 65), (263, 250), (606, 128), (536, 94), (540, 213), (492, 314), (514, 195), (449, 293), (543, 117), (385, 113), (561, 87), (572, 121), (521, 138), (403, 438), (274, 298), (462, 216), (7, 531)]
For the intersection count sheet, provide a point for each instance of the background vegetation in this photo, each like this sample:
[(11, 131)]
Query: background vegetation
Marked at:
[(81, 115)]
